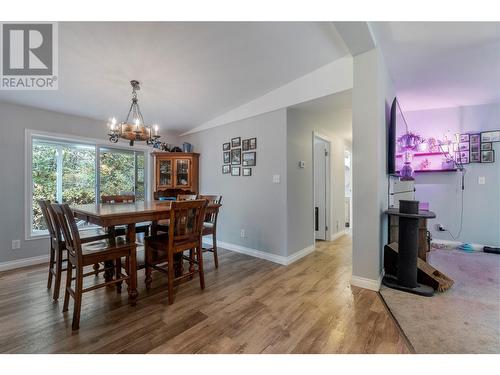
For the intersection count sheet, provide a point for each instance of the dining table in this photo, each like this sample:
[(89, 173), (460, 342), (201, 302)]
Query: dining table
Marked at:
[(110, 215)]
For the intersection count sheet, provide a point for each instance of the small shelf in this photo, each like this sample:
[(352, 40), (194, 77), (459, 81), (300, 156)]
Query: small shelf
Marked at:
[(424, 154)]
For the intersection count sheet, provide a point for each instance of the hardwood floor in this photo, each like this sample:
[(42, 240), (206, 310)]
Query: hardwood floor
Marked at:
[(249, 306)]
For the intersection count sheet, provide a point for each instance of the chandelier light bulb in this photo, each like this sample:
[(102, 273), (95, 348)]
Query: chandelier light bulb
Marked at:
[(156, 129)]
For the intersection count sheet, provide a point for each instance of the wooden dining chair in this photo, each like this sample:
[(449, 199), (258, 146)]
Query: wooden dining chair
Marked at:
[(210, 223), (162, 226), (121, 199), (184, 233), (57, 246), (81, 255)]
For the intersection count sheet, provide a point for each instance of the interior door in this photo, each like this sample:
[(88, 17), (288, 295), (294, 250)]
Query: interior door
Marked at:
[(321, 152)]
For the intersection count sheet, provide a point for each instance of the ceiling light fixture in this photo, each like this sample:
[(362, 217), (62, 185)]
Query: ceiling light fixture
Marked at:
[(133, 128)]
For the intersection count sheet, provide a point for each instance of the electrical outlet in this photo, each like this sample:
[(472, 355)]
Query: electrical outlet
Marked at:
[(440, 228), (242, 233), (16, 244)]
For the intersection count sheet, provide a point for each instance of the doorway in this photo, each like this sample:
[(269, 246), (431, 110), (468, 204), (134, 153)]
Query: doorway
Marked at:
[(321, 183)]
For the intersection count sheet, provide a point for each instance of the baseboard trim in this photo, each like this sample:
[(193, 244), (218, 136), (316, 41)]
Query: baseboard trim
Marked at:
[(19, 263), (333, 237), (365, 283), (280, 259)]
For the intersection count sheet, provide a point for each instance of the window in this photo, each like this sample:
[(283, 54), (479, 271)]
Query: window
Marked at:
[(80, 173)]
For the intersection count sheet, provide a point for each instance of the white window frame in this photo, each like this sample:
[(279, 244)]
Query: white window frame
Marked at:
[(30, 134)]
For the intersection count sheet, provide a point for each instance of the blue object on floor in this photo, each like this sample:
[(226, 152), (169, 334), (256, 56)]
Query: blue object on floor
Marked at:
[(466, 247)]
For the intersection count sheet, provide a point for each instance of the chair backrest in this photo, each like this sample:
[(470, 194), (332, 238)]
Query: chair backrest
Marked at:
[(186, 221), (186, 197), (124, 198), (67, 224), (211, 214), (49, 219)]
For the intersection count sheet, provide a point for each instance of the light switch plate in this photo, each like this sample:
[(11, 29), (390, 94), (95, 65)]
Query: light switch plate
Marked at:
[(16, 244), (276, 179), (481, 180)]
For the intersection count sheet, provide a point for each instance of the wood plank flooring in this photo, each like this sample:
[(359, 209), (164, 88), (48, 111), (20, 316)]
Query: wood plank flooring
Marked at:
[(249, 306)]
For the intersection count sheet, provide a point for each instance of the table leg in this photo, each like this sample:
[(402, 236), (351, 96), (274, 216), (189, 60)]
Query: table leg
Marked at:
[(108, 265), (132, 287)]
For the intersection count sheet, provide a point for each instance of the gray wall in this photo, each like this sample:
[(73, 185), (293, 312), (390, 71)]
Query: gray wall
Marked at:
[(14, 120), (372, 92), (254, 203), (300, 180), (481, 219)]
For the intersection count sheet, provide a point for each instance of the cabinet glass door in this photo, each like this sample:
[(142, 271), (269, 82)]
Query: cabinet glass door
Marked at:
[(182, 178), (165, 173)]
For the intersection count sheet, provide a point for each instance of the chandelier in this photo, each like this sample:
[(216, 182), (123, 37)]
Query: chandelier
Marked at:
[(133, 128)]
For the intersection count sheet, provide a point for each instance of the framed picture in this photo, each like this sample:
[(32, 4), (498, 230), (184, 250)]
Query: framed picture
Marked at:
[(464, 154), (249, 159), (463, 146), (486, 146), (464, 138), (236, 156), (491, 136), (475, 138), (236, 142), (226, 146), (475, 157), (464, 160), (247, 171), (253, 143), (245, 145), (226, 169), (235, 171), (488, 156), (227, 157), (474, 147)]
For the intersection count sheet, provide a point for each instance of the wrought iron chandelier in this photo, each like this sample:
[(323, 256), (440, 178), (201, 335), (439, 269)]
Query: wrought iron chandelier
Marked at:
[(133, 128)]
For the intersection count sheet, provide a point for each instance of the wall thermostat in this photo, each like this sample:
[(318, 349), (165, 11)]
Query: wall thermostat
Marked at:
[(302, 164)]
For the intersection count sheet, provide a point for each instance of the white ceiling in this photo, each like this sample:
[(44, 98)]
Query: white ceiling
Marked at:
[(442, 64), (189, 72), (332, 112)]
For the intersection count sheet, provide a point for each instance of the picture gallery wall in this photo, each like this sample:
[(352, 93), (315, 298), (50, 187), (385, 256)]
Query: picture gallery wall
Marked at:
[(238, 156)]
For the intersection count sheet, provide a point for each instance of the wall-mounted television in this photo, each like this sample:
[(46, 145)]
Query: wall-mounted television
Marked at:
[(396, 121)]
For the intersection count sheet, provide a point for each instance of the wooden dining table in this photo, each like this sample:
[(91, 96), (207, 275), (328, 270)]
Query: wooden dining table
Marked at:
[(110, 215)]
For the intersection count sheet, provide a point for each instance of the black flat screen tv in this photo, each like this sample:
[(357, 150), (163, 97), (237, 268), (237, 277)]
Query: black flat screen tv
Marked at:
[(396, 121)]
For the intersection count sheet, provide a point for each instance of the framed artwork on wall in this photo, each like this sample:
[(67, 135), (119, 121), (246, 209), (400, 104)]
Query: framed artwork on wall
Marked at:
[(235, 171), (249, 159), (486, 146), (475, 138), (236, 156), (245, 145), (474, 147), (490, 136), (226, 146), (488, 156), (463, 146), (236, 142), (226, 169), (475, 157), (253, 143), (227, 157), (464, 137), (247, 171)]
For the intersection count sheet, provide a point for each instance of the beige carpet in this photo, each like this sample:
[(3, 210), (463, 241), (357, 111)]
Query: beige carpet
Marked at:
[(464, 319)]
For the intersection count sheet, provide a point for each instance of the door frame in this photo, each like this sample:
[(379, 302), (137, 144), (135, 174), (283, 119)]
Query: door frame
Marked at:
[(327, 188)]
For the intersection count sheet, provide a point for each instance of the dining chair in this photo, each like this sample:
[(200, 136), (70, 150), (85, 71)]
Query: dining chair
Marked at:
[(162, 226), (210, 223), (184, 233), (81, 255), (58, 247)]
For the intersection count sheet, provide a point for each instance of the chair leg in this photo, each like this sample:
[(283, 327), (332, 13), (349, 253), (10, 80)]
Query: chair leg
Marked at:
[(78, 300), (96, 269), (118, 268), (214, 249), (132, 285), (51, 266), (199, 256), (147, 267), (170, 281), (191, 261), (57, 281), (69, 275)]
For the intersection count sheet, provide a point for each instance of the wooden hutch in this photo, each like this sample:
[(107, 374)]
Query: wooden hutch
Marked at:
[(176, 173)]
